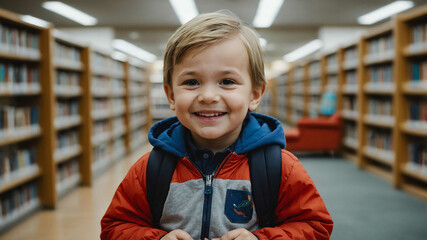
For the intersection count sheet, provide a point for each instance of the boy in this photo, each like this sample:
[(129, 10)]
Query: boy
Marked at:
[(214, 79)]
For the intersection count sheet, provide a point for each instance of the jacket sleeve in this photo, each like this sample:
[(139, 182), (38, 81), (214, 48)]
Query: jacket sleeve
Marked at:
[(129, 216), (301, 212)]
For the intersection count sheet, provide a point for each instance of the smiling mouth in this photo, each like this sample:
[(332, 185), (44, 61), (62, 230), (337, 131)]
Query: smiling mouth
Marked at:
[(210, 114)]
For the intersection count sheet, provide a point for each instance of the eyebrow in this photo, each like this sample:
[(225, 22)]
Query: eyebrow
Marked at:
[(192, 73)]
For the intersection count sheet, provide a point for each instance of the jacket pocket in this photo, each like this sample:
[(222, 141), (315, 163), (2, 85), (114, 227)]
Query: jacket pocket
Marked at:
[(239, 206)]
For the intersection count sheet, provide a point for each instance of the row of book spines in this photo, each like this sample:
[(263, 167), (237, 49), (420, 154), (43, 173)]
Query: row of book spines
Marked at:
[(16, 198), (381, 44), (418, 70), (350, 103), (418, 153), (17, 37), (14, 160), (419, 33), (351, 54), (103, 62), (119, 121), (350, 131), (67, 78), (418, 111), (332, 79), (102, 151), (96, 80), (112, 84), (15, 117), (67, 52), (67, 108), (380, 107), (379, 139), (67, 138), (380, 74), (100, 60), (105, 104), (67, 169), (351, 77), (101, 127), (332, 59), (18, 73)]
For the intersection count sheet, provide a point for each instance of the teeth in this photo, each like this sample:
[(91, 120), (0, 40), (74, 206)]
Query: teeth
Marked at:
[(209, 114)]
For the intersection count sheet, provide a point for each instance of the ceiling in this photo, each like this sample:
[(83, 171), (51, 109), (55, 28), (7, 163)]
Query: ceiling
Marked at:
[(149, 23)]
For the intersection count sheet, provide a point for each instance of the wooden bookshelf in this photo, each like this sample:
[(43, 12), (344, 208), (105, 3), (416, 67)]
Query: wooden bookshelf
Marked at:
[(375, 101), (411, 100), (315, 85), (24, 76), (70, 153), (138, 104), (100, 110), (268, 102), (349, 91), (282, 97), (64, 108), (298, 93), (382, 95)]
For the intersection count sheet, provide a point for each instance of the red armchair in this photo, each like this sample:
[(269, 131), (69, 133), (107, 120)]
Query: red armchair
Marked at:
[(315, 134)]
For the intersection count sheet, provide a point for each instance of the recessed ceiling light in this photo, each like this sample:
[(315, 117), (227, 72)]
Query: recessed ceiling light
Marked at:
[(384, 12), (184, 9), (303, 51), (266, 12), (70, 13), (132, 50)]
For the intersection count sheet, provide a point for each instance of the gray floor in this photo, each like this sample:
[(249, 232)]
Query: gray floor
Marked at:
[(362, 205)]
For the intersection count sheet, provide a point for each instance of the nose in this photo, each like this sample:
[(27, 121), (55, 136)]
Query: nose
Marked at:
[(208, 94)]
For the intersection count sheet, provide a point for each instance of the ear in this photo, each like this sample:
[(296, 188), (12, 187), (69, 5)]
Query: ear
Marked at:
[(170, 96), (256, 97)]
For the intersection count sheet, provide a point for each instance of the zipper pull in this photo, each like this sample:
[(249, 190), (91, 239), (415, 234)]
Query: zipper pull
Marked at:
[(208, 184)]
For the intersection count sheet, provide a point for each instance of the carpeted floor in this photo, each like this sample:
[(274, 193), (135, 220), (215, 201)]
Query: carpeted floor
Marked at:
[(364, 206)]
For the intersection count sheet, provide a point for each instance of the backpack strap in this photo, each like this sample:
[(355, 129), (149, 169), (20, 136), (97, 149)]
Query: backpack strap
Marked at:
[(160, 168), (265, 166)]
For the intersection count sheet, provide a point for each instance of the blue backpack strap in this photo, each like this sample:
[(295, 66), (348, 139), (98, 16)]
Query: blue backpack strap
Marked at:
[(160, 168), (265, 166)]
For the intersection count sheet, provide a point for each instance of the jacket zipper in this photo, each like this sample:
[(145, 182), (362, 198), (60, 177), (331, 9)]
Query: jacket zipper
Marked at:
[(207, 206), (207, 203)]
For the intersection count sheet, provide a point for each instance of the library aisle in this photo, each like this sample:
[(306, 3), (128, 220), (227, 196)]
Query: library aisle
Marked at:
[(78, 214)]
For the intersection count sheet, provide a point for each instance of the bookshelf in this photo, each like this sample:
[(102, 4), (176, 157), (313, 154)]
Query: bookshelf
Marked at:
[(67, 112), (315, 85), (378, 85), (350, 73), (70, 153), (298, 95), (268, 104), (381, 85), (23, 109), (282, 97), (411, 100), (139, 102), (106, 110)]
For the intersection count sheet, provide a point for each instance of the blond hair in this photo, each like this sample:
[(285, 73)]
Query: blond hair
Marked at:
[(210, 28)]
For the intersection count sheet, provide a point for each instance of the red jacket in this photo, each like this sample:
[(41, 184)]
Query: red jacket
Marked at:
[(300, 210)]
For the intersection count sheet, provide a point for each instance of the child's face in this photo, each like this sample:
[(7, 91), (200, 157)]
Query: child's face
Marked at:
[(212, 91)]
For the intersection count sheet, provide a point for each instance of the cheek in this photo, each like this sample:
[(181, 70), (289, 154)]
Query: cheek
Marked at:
[(183, 101)]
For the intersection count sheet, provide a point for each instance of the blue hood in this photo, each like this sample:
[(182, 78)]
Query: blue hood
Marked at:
[(260, 130)]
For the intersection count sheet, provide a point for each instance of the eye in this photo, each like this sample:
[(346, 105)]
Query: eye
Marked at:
[(227, 81), (190, 82)]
